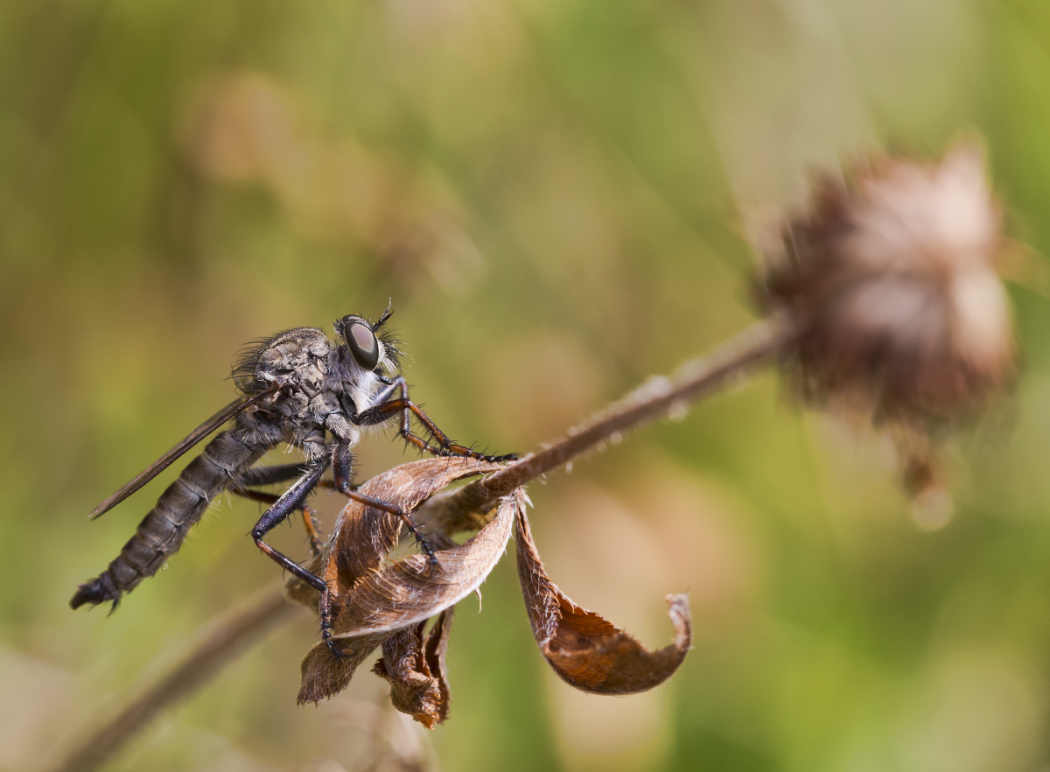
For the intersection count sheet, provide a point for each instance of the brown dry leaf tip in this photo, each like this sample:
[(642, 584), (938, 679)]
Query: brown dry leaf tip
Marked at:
[(414, 664), (890, 281), (584, 649)]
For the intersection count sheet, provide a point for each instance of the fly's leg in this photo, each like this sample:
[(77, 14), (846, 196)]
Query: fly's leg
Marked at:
[(386, 506), (342, 467), (269, 475), (291, 500), (388, 408), (326, 624), (313, 532), (310, 521), (272, 475), (275, 474)]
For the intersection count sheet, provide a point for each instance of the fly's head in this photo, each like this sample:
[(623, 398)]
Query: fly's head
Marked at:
[(364, 361)]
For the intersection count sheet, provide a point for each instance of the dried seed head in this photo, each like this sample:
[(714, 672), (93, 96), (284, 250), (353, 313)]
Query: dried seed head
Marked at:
[(890, 280)]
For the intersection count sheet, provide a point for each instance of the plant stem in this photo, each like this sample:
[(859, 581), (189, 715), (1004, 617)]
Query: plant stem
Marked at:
[(226, 638), (658, 397)]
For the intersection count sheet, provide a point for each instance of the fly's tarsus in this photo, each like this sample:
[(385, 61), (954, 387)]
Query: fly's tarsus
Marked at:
[(326, 613)]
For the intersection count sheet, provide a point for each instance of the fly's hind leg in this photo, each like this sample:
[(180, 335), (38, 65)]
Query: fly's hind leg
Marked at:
[(310, 522), (269, 475), (387, 408), (279, 510), (272, 475), (313, 532), (316, 546)]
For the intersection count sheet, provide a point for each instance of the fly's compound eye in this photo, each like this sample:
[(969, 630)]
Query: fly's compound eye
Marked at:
[(363, 344)]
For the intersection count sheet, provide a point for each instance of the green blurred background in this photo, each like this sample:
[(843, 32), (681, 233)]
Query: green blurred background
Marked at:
[(555, 194)]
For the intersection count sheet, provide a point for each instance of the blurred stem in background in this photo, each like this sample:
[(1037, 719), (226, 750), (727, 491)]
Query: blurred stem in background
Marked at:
[(221, 642)]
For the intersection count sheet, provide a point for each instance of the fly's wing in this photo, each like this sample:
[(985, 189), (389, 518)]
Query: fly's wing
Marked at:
[(162, 463)]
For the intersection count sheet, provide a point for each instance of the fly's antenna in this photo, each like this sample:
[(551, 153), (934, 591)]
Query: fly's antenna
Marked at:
[(385, 315), (393, 345)]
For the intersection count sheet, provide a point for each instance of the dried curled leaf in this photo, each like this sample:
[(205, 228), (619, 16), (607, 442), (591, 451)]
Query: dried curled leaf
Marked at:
[(364, 536), (414, 664), (584, 649), (411, 590), (375, 600)]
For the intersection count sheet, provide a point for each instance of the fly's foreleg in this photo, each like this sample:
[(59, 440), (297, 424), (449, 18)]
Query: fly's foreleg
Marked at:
[(288, 502), (388, 408)]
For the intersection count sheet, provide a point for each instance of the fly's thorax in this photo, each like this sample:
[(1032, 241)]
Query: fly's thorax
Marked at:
[(309, 438), (346, 432), (296, 358), (297, 361)]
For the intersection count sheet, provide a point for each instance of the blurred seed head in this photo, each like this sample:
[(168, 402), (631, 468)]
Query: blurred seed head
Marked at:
[(889, 277)]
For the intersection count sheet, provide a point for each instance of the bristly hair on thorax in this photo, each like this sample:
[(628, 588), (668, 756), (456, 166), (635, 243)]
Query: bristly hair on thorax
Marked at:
[(245, 362)]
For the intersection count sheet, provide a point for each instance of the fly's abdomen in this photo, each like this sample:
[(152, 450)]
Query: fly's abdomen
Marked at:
[(162, 531)]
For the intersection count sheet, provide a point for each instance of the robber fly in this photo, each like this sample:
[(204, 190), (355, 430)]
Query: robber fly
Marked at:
[(296, 388)]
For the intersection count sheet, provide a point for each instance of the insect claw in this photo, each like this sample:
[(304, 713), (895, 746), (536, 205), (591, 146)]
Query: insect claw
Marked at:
[(329, 641), (431, 564), (325, 607)]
